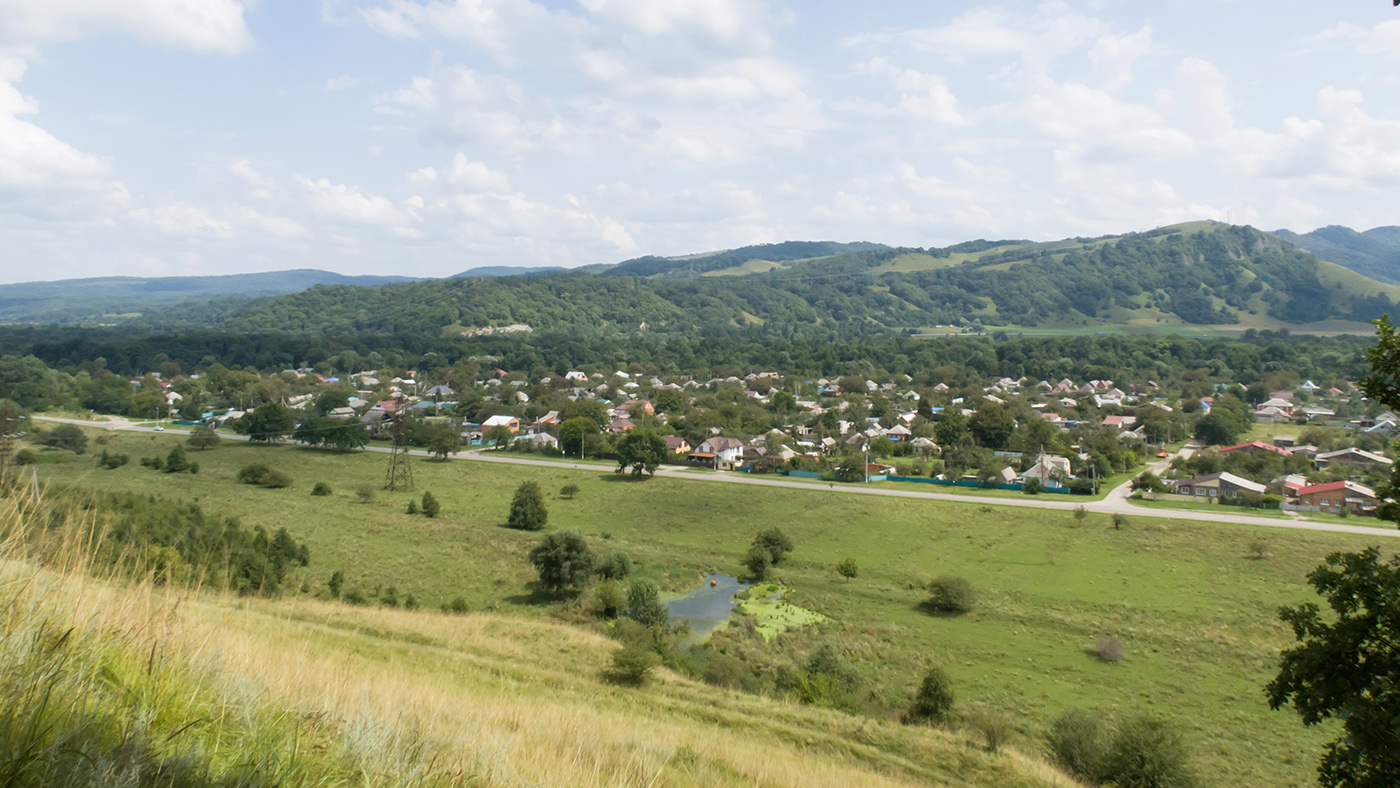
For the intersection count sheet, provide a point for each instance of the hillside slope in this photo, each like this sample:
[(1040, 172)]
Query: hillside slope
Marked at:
[(1202, 273), (1374, 253), (103, 299), (156, 687)]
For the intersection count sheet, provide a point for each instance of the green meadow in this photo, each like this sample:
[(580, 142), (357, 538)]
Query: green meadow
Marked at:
[(1193, 605)]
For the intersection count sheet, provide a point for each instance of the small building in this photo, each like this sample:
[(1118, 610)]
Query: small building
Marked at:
[(1353, 456), (540, 440), (675, 444), (1257, 447), (620, 426), (1333, 497), (501, 420), (1217, 485)]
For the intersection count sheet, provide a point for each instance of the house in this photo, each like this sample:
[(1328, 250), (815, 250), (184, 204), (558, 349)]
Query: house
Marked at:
[(576, 376), (924, 445), (549, 419), (898, 433), (1119, 422), (541, 440), (1319, 413), (1272, 415), (342, 413), (1217, 485), (438, 392), (620, 426), (1284, 405), (502, 420), (1255, 447), (726, 451), (1007, 475), (1336, 496), (1288, 486), (1310, 387), (1285, 441), (1049, 470), (675, 444), (1353, 456)]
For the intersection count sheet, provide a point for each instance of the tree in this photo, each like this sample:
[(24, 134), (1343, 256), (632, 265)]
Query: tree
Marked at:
[(430, 507), (527, 510), (1346, 666), (950, 428), (641, 449), (933, 705), (632, 664), (1216, 429), (67, 437), (499, 435), (572, 433), (1382, 384), (951, 595), (774, 542), (644, 605), (1147, 753), (1148, 482), (617, 566), (992, 426), (267, 423), (202, 438), (334, 584), (569, 491), (176, 461), (757, 560), (848, 568), (563, 561), (444, 441)]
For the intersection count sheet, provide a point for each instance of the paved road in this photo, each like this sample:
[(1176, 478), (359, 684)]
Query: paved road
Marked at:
[(1115, 502)]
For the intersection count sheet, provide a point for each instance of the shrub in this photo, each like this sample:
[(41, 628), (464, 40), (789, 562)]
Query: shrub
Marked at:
[(412, 507), (569, 491), (725, 671), (775, 542), (176, 461), (430, 505), (1119, 520), (67, 437), (1146, 753), (608, 599), (354, 597), (333, 585), (263, 476), (848, 568), (26, 457), (644, 605), (527, 510), (321, 488), (458, 606), (154, 463), (1258, 550), (632, 665), (112, 461), (953, 595), (409, 603), (996, 728), (202, 438), (1077, 744), (934, 703), (1032, 486), (365, 493), (616, 566), (390, 597), (564, 561), (1080, 513), (1108, 649), (756, 561)]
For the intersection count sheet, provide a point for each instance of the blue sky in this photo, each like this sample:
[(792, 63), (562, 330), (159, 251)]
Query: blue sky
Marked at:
[(424, 137)]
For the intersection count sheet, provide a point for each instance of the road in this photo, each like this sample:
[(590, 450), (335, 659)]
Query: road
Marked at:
[(1116, 502)]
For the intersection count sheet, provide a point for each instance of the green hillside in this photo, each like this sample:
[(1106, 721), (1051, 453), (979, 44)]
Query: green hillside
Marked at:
[(1374, 253), (1197, 274)]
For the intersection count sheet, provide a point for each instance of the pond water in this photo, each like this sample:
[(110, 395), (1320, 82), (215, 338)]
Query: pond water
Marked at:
[(707, 607)]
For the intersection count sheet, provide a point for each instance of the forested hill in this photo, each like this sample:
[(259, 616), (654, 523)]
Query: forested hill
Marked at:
[(1201, 273), (1374, 253)]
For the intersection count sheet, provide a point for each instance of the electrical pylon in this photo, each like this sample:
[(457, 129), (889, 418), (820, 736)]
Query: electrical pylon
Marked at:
[(8, 426), (400, 475)]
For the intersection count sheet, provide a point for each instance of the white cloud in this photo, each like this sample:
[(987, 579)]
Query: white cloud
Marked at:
[(473, 176), (351, 204), (1113, 56), (1107, 128), (342, 82), (206, 26), (1053, 29), (1383, 39), (739, 24)]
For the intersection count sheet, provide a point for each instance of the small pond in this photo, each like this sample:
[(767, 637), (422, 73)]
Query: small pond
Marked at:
[(707, 607)]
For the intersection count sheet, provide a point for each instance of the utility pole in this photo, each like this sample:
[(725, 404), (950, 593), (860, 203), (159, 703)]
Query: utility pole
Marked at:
[(8, 426), (400, 475)]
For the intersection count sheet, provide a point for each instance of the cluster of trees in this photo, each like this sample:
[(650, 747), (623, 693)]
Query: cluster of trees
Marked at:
[(177, 543)]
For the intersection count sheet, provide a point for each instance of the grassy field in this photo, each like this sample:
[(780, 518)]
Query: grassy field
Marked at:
[(1195, 612), (114, 683)]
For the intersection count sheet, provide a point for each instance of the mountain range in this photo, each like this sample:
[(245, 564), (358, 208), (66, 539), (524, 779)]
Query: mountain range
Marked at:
[(1200, 273)]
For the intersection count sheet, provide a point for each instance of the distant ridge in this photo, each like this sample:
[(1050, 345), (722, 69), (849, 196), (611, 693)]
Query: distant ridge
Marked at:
[(507, 270), (1374, 253)]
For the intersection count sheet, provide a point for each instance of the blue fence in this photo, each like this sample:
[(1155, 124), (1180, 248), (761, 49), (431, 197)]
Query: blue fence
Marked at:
[(805, 474), (979, 485)]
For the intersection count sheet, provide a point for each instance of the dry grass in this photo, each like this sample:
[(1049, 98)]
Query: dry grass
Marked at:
[(313, 693)]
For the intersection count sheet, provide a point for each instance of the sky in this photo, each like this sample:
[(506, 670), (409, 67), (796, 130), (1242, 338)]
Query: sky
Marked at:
[(426, 137)]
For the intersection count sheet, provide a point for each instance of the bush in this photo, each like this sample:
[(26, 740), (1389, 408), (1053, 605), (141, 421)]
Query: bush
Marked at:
[(608, 599), (775, 542), (409, 603), (112, 461), (1258, 550), (564, 561), (1108, 649), (263, 476), (412, 507), (67, 437), (1146, 753), (390, 597), (176, 461), (321, 488), (632, 665), (202, 438), (725, 671), (333, 585), (354, 597), (430, 505), (1032, 486), (1080, 513), (996, 728), (953, 595), (848, 568), (365, 493), (1119, 520), (934, 703), (25, 457), (569, 491), (756, 561), (644, 605), (1077, 744), (458, 606), (616, 566), (154, 463), (527, 510)]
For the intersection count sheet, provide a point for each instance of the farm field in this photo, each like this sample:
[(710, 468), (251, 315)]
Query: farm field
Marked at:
[(1194, 610)]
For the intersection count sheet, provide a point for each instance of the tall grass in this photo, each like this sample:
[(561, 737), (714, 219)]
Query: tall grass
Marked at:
[(118, 680)]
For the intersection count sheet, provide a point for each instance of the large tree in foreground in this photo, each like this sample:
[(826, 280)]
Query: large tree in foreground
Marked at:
[(642, 450), (563, 561), (1382, 384), (1347, 666)]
